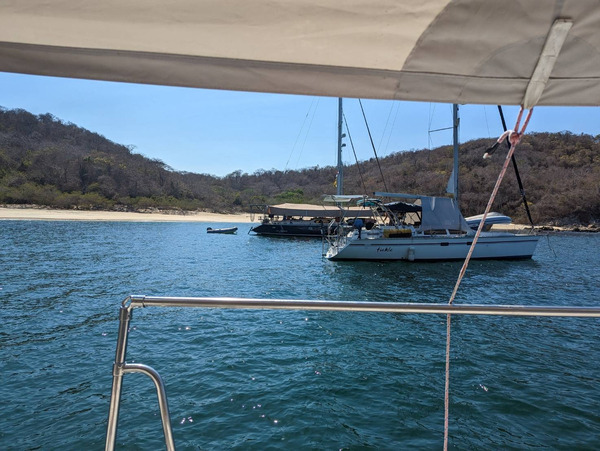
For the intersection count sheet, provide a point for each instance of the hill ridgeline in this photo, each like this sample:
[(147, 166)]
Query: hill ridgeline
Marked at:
[(45, 161)]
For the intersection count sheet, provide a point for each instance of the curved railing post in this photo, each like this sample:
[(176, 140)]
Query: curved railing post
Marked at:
[(115, 396), (162, 398)]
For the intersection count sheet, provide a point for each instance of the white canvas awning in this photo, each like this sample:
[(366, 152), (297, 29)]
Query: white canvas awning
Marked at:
[(460, 51), (342, 198), (317, 211), (304, 210)]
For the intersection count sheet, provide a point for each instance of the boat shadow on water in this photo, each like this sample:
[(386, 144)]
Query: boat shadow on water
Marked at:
[(431, 282)]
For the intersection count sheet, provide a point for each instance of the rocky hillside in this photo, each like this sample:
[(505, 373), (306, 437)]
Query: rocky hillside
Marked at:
[(48, 162)]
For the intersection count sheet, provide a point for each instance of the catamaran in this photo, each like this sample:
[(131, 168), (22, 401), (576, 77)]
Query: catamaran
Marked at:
[(303, 220)]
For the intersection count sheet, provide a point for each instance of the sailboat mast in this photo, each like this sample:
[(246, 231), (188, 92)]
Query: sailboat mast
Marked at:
[(340, 166), (455, 123)]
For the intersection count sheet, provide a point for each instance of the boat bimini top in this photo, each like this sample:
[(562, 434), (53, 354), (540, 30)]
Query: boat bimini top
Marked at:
[(513, 52)]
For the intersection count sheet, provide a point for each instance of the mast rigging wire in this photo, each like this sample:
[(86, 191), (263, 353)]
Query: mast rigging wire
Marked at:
[(372, 144), (387, 144), (301, 130), (362, 181), (387, 121)]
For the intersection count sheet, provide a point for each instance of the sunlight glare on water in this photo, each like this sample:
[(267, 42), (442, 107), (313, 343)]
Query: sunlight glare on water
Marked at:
[(262, 379)]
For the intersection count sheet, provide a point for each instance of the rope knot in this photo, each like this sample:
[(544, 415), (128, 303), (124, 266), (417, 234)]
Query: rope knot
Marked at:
[(514, 137)]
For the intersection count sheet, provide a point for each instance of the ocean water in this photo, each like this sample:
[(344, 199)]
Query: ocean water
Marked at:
[(288, 379)]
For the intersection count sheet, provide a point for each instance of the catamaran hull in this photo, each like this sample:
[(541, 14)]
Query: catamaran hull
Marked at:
[(436, 248)]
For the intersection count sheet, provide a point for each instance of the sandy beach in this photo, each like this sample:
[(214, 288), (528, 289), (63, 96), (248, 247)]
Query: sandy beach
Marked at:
[(45, 214), (33, 213)]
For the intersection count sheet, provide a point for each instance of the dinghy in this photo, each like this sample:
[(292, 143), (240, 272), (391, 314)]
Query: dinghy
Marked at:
[(226, 230)]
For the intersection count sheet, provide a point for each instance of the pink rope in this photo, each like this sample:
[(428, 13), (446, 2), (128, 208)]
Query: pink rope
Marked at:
[(447, 383), (514, 137)]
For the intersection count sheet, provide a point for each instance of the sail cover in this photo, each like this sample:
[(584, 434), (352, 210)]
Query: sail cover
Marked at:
[(441, 213), (459, 51)]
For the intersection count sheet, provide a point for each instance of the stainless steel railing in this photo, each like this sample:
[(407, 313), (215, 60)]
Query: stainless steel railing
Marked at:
[(120, 367)]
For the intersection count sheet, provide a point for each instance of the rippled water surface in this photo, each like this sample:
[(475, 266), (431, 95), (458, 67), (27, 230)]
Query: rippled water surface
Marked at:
[(285, 379)]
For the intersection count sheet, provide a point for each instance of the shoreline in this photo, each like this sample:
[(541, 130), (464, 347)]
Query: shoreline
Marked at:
[(30, 213), (39, 213)]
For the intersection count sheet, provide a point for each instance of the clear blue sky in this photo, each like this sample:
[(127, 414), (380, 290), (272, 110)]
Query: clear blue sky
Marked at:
[(218, 132)]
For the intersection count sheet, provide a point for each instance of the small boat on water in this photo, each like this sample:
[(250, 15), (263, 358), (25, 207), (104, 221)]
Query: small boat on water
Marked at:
[(431, 230), (492, 219), (226, 230), (303, 220)]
